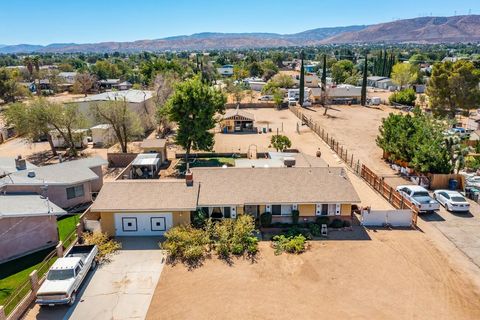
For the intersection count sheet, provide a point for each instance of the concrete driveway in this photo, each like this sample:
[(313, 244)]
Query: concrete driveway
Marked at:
[(120, 289)]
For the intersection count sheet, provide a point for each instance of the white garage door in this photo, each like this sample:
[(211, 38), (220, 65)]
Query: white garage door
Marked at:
[(142, 224)]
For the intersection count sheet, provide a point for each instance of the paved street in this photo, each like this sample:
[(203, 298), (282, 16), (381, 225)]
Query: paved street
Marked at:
[(120, 289)]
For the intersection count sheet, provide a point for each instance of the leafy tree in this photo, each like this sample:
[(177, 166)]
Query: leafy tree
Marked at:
[(84, 81), (301, 99), (163, 87), (104, 69), (364, 82), (453, 87), (278, 81), (418, 58), (125, 123), (405, 97), (10, 89), (404, 74), (255, 69), (193, 107), (280, 142), (341, 70), (278, 97), (324, 80)]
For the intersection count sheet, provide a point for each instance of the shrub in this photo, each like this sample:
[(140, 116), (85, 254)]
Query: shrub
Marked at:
[(106, 245), (295, 244), (266, 219), (322, 220), (346, 224), (336, 223), (405, 97), (235, 236), (295, 216), (314, 229), (186, 243), (199, 218)]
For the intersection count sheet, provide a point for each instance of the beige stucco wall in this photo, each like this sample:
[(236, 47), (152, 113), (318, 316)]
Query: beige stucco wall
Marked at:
[(97, 184), (306, 210), (346, 209), (180, 217), (21, 236)]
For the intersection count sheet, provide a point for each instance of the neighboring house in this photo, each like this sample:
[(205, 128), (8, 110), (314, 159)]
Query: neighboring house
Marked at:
[(144, 207), (226, 70), (103, 135), (80, 137), (108, 84), (139, 101), (237, 120), (311, 81), (341, 94), (294, 94), (28, 223), (158, 146), (255, 84), (136, 207), (67, 77), (125, 85), (381, 83), (67, 184)]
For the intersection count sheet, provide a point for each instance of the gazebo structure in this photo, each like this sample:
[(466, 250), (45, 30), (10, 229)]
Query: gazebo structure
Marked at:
[(236, 120)]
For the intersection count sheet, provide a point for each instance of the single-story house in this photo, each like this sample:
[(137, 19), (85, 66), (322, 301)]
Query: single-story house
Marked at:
[(139, 101), (294, 94), (67, 184), (125, 85), (68, 77), (381, 82), (28, 223), (311, 81), (341, 94), (144, 207), (103, 135), (158, 146), (237, 120), (107, 84), (150, 207), (226, 70), (80, 137)]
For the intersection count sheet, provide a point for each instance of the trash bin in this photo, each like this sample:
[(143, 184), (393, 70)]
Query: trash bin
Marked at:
[(452, 184), (468, 192), (264, 130), (475, 193)]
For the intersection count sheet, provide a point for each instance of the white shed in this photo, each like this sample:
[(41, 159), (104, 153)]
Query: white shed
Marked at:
[(103, 135)]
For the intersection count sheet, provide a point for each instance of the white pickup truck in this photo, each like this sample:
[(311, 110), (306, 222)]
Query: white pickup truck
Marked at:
[(420, 197), (66, 275)]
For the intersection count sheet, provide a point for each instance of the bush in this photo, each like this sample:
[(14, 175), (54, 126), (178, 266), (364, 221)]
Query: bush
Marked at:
[(295, 216), (336, 223), (106, 246), (346, 224), (186, 243), (199, 218), (322, 220), (405, 97), (266, 219), (295, 244), (235, 236), (315, 229)]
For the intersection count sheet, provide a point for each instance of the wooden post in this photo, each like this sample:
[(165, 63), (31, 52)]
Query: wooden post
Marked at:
[(33, 277), (80, 228), (341, 152), (3, 316), (351, 162), (59, 249), (358, 164)]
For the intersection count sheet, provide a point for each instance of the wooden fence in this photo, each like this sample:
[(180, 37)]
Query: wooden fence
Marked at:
[(360, 169)]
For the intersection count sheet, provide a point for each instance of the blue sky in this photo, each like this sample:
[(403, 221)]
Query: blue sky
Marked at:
[(84, 21)]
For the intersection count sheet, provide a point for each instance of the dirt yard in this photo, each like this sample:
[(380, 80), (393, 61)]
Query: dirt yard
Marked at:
[(394, 275)]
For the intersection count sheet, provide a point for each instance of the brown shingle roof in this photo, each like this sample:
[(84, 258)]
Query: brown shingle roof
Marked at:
[(238, 186), (238, 112), (146, 195)]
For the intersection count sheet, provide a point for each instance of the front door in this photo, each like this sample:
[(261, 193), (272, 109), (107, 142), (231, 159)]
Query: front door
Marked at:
[(129, 224)]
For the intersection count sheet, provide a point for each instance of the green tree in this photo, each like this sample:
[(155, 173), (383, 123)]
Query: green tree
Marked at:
[(341, 70), (193, 107), (324, 80), (278, 97), (404, 74), (302, 81), (364, 82), (280, 142), (125, 123), (255, 69), (405, 97), (453, 87), (10, 88)]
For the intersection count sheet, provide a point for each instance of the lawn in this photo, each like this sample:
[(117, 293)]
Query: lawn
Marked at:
[(207, 162), (15, 272)]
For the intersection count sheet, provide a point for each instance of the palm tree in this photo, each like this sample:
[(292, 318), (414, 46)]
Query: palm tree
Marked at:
[(28, 63)]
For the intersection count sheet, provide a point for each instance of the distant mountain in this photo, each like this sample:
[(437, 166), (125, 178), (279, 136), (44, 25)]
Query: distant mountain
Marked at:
[(419, 30)]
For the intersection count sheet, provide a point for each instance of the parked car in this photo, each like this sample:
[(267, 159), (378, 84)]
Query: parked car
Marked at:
[(473, 181), (266, 98), (66, 275), (420, 197), (452, 200)]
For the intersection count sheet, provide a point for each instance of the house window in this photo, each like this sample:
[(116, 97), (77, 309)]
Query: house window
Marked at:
[(75, 192), (276, 209), (324, 209), (226, 212)]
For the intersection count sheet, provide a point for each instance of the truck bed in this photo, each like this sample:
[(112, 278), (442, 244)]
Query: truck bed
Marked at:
[(80, 251)]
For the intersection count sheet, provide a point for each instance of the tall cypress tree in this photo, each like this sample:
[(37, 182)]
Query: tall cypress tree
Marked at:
[(364, 82), (302, 81), (324, 79)]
